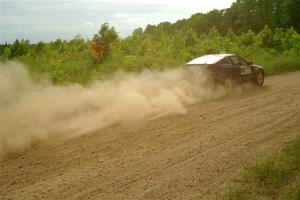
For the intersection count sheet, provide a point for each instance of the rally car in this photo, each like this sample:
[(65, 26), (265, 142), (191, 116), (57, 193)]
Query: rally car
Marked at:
[(230, 66)]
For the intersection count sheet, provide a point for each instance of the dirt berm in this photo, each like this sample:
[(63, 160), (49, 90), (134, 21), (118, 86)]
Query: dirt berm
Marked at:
[(191, 156)]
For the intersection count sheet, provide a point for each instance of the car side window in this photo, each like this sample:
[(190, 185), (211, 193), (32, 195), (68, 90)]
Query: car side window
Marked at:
[(226, 61), (236, 61), (243, 62)]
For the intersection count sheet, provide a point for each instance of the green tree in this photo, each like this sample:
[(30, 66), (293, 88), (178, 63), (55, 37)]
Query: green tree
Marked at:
[(247, 38), (293, 10), (292, 40), (265, 37), (19, 48), (190, 38), (57, 44), (5, 55), (107, 35), (232, 18), (137, 31), (278, 39), (231, 35), (40, 47)]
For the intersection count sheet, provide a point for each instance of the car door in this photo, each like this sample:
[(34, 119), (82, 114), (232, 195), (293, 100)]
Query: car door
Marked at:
[(244, 68)]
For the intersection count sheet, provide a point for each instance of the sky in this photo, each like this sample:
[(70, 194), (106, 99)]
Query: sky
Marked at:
[(46, 20)]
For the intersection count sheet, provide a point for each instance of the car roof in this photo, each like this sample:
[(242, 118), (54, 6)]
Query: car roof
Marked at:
[(209, 59)]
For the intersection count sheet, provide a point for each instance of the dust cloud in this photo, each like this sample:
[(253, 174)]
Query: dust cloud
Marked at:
[(31, 112)]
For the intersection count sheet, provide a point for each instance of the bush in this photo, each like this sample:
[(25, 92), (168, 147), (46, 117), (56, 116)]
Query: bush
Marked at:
[(73, 61)]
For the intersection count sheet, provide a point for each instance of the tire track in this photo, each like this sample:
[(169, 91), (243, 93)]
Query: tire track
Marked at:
[(190, 156)]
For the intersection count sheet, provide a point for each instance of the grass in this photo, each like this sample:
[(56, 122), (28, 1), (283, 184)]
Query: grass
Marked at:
[(265, 177), (286, 62), (238, 193), (292, 195)]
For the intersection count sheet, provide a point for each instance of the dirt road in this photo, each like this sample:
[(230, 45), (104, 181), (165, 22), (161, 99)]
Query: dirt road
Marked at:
[(191, 156)]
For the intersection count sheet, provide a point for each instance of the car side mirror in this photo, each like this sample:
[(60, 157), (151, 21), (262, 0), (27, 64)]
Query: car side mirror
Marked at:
[(250, 63)]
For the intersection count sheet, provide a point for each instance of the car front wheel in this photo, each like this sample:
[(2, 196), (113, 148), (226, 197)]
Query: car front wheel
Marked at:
[(259, 78)]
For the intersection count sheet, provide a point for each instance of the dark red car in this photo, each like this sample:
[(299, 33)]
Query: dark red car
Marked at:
[(230, 66)]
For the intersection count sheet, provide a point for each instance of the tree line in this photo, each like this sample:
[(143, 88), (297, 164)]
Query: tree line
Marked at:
[(263, 31)]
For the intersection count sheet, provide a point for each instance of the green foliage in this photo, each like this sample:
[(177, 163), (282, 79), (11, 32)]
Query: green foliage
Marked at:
[(236, 194), (6, 54), (40, 47), (108, 36), (247, 38), (138, 31), (231, 35), (292, 13), (19, 48), (240, 17), (293, 196), (268, 174), (265, 38), (249, 28), (264, 177), (287, 61)]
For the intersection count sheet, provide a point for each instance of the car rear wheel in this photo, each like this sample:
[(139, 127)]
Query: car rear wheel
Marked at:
[(259, 78)]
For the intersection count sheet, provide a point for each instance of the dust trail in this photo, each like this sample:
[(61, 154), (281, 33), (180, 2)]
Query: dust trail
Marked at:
[(31, 112)]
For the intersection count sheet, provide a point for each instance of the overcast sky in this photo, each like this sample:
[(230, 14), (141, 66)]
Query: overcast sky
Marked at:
[(47, 20)]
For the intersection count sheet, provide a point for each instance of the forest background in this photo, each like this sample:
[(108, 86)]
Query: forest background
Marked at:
[(265, 32)]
